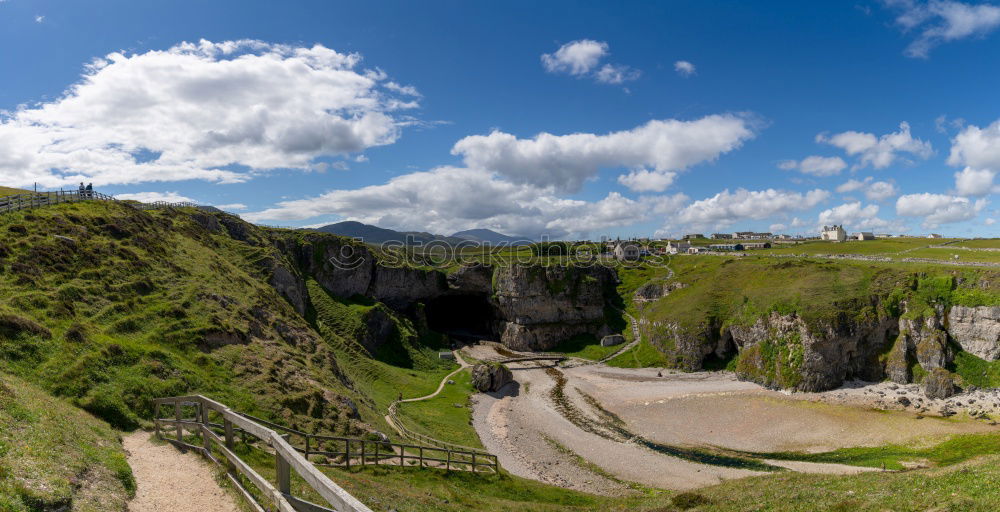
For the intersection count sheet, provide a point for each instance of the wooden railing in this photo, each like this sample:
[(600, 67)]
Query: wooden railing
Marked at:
[(272, 496), (393, 417), (372, 452)]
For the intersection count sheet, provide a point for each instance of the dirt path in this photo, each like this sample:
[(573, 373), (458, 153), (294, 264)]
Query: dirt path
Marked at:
[(168, 479)]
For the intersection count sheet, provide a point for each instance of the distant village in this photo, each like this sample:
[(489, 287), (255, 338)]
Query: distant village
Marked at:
[(737, 242)]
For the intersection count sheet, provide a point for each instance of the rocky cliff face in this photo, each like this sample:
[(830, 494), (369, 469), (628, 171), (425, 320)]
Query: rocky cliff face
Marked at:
[(785, 351), (540, 306), (534, 307), (977, 330)]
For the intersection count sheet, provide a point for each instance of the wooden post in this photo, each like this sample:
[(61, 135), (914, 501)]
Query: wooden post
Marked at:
[(206, 441), (376, 453), (156, 419), (473, 462), (307, 446), (177, 416), (363, 461), (448, 467), (421, 456), (347, 453), (283, 473), (402, 456)]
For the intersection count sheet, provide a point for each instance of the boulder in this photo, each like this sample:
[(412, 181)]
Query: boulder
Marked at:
[(487, 377), (939, 383), (977, 330), (612, 340)]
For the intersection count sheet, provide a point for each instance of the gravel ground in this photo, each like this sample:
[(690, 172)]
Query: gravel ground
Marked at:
[(695, 409), (168, 480)]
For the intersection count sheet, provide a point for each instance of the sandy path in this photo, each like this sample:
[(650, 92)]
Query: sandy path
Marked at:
[(169, 480)]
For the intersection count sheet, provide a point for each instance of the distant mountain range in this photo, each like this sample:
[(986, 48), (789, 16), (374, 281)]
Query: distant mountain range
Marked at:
[(376, 235)]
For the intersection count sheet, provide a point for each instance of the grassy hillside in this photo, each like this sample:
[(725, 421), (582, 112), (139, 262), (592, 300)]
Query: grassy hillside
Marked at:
[(53, 456), (7, 191), (721, 291), (110, 307)]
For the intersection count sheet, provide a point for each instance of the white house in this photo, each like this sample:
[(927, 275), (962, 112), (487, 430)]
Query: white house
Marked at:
[(627, 251), (677, 247), (833, 233), (865, 235)]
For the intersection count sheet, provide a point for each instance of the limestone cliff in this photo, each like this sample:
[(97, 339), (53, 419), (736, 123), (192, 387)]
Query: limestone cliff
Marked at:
[(539, 306), (976, 330)]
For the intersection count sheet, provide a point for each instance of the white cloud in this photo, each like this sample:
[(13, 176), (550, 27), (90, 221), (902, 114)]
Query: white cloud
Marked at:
[(575, 58), (777, 228), (208, 111), (152, 197), (879, 152), (937, 209), (975, 182), (725, 208), (816, 165), (941, 21), (881, 190), (566, 161), (990, 221), (644, 180), (449, 199), (977, 147), (40, 18), (854, 216), (684, 68), (616, 74), (874, 190), (232, 207), (581, 58)]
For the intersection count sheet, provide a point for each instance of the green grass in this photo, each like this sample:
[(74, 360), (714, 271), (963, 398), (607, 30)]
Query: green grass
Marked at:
[(975, 371), (946, 254), (956, 449), (7, 191), (983, 243), (584, 346), (53, 455), (448, 416)]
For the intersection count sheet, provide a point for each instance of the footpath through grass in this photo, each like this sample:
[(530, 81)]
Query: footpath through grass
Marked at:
[(448, 416)]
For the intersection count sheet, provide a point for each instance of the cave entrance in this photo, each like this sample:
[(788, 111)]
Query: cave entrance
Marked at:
[(466, 317)]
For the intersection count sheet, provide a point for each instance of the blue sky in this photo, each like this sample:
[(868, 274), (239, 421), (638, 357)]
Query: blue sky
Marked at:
[(572, 119)]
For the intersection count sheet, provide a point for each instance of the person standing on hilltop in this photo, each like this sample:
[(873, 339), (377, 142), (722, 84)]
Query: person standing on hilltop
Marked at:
[(90, 190)]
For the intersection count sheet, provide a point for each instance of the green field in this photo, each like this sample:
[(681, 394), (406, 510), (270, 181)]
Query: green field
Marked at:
[(7, 191), (446, 417)]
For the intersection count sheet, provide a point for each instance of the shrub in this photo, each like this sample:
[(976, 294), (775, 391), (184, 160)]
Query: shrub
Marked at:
[(12, 326), (689, 500)]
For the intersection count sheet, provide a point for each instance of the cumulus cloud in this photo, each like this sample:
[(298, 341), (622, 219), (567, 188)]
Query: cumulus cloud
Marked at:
[(152, 197), (937, 209), (644, 180), (616, 74), (854, 216), (975, 182), (725, 208), (208, 111), (566, 161), (684, 68), (576, 57), (449, 199), (978, 149), (938, 21), (879, 152), (816, 165), (873, 190), (582, 58)]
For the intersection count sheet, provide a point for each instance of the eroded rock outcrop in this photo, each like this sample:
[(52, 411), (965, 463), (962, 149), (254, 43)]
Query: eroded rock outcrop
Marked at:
[(488, 377), (540, 306), (976, 330), (939, 384)]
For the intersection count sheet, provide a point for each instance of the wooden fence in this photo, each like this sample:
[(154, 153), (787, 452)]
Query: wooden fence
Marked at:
[(216, 426), (17, 202), (260, 493)]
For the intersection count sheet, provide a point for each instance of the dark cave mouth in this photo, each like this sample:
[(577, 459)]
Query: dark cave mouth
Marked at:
[(462, 316)]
